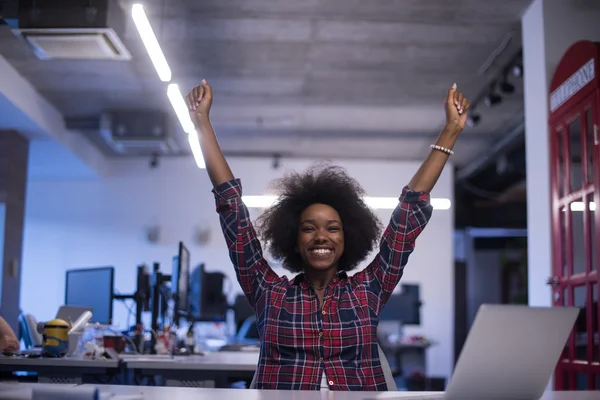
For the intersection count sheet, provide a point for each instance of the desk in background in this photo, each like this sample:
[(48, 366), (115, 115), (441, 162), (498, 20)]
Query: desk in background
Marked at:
[(210, 370), (61, 370)]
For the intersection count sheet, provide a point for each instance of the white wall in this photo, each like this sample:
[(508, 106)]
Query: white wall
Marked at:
[(91, 222), (52, 160), (549, 28)]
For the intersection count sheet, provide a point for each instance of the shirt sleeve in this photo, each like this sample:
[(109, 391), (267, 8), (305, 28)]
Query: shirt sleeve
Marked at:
[(408, 220), (253, 272)]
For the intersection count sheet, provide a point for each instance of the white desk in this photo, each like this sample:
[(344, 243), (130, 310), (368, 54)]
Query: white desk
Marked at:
[(60, 370), (18, 391), (161, 393), (220, 361), (210, 370), (23, 392)]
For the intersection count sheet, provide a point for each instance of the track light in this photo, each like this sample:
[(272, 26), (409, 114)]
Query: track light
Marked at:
[(492, 99), (517, 70), (506, 87), (473, 119)]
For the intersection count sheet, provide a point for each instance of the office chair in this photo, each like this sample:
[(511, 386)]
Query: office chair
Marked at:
[(385, 366), (28, 331), (248, 329)]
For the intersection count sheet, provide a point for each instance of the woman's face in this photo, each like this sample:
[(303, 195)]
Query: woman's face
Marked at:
[(320, 237)]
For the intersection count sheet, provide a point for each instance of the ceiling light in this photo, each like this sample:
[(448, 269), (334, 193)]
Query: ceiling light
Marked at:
[(492, 99), (181, 110), (194, 141), (378, 203), (517, 71), (259, 201), (580, 206), (389, 203), (506, 87), (149, 39), (473, 119)]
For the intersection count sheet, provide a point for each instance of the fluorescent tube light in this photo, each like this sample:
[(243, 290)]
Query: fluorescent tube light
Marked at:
[(149, 39), (580, 206), (183, 114), (181, 110), (196, 150), (378, 203), (259, 201)]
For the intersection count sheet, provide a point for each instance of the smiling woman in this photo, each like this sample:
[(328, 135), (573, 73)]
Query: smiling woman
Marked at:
[(319, 330), (318, 208)]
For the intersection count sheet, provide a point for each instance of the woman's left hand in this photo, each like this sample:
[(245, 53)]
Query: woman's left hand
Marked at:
[(456, 105), (9, 343)]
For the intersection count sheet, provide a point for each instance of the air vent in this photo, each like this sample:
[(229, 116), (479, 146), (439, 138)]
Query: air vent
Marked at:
[(73, 29), (136, 132), (76, 44)]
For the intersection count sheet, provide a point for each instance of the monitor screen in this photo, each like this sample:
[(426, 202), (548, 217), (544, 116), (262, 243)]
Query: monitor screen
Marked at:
[(144, 288), (93, 288), (180, 279), (404, 307), (207, 300)]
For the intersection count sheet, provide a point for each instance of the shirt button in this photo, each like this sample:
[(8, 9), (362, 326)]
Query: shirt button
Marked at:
[(324, 312), (331, 382), (321, 359), (320, 334)]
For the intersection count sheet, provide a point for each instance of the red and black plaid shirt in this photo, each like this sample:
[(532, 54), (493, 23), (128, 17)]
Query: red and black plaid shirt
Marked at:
[(301, 340)]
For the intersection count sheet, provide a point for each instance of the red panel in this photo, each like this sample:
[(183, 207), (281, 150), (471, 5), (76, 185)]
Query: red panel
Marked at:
[(577, 368), (574, 58)]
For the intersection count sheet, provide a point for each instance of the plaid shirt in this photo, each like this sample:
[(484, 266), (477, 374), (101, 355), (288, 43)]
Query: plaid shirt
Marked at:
[(299, 340)]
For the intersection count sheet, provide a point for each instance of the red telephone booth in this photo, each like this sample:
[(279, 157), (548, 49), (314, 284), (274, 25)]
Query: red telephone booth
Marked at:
[(575, 173)]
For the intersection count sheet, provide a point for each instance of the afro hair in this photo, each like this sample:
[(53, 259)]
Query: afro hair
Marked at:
[(325, 184)]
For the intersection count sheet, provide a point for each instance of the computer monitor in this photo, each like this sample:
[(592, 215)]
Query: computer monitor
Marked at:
[(180, 278), (404, 307), (207, 300), (143, 292), (93, 288)]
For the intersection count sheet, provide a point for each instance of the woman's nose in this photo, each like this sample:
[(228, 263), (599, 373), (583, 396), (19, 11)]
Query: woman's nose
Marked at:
[(320, 234)]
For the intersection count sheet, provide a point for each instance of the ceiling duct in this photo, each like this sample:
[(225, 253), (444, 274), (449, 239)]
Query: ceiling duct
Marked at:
[(73, 29), (136, 132)]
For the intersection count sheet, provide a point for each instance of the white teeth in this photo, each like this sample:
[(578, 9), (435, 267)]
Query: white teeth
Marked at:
[(321, 251)]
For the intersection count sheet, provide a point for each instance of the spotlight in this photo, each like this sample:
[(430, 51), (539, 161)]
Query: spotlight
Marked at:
[(473, 119), (506, 87), (517, 70), (492, 99)]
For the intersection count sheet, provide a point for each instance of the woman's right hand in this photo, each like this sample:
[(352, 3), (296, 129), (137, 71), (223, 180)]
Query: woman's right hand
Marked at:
[(199, 101)]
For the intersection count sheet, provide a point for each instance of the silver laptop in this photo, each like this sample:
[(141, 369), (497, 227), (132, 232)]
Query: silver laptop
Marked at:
[(71, 313), (510, 353)]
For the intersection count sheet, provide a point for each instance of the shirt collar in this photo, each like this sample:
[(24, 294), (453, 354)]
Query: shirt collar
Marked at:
[(301, 280)]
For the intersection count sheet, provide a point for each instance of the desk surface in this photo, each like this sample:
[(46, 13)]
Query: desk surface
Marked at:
[(66, 362), (23, 391), (220, 361), (156, 393)]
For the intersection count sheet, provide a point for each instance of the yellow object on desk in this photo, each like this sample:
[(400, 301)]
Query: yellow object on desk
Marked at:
[(56, 338)]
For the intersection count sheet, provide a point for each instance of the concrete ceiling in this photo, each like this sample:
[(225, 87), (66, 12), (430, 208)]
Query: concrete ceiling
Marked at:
[(320, 78)]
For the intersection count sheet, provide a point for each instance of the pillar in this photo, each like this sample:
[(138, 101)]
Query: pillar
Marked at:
[(14, 152)]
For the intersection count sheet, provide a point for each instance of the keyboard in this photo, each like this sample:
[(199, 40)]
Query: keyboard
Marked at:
[(240, 347), (34, 351)]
